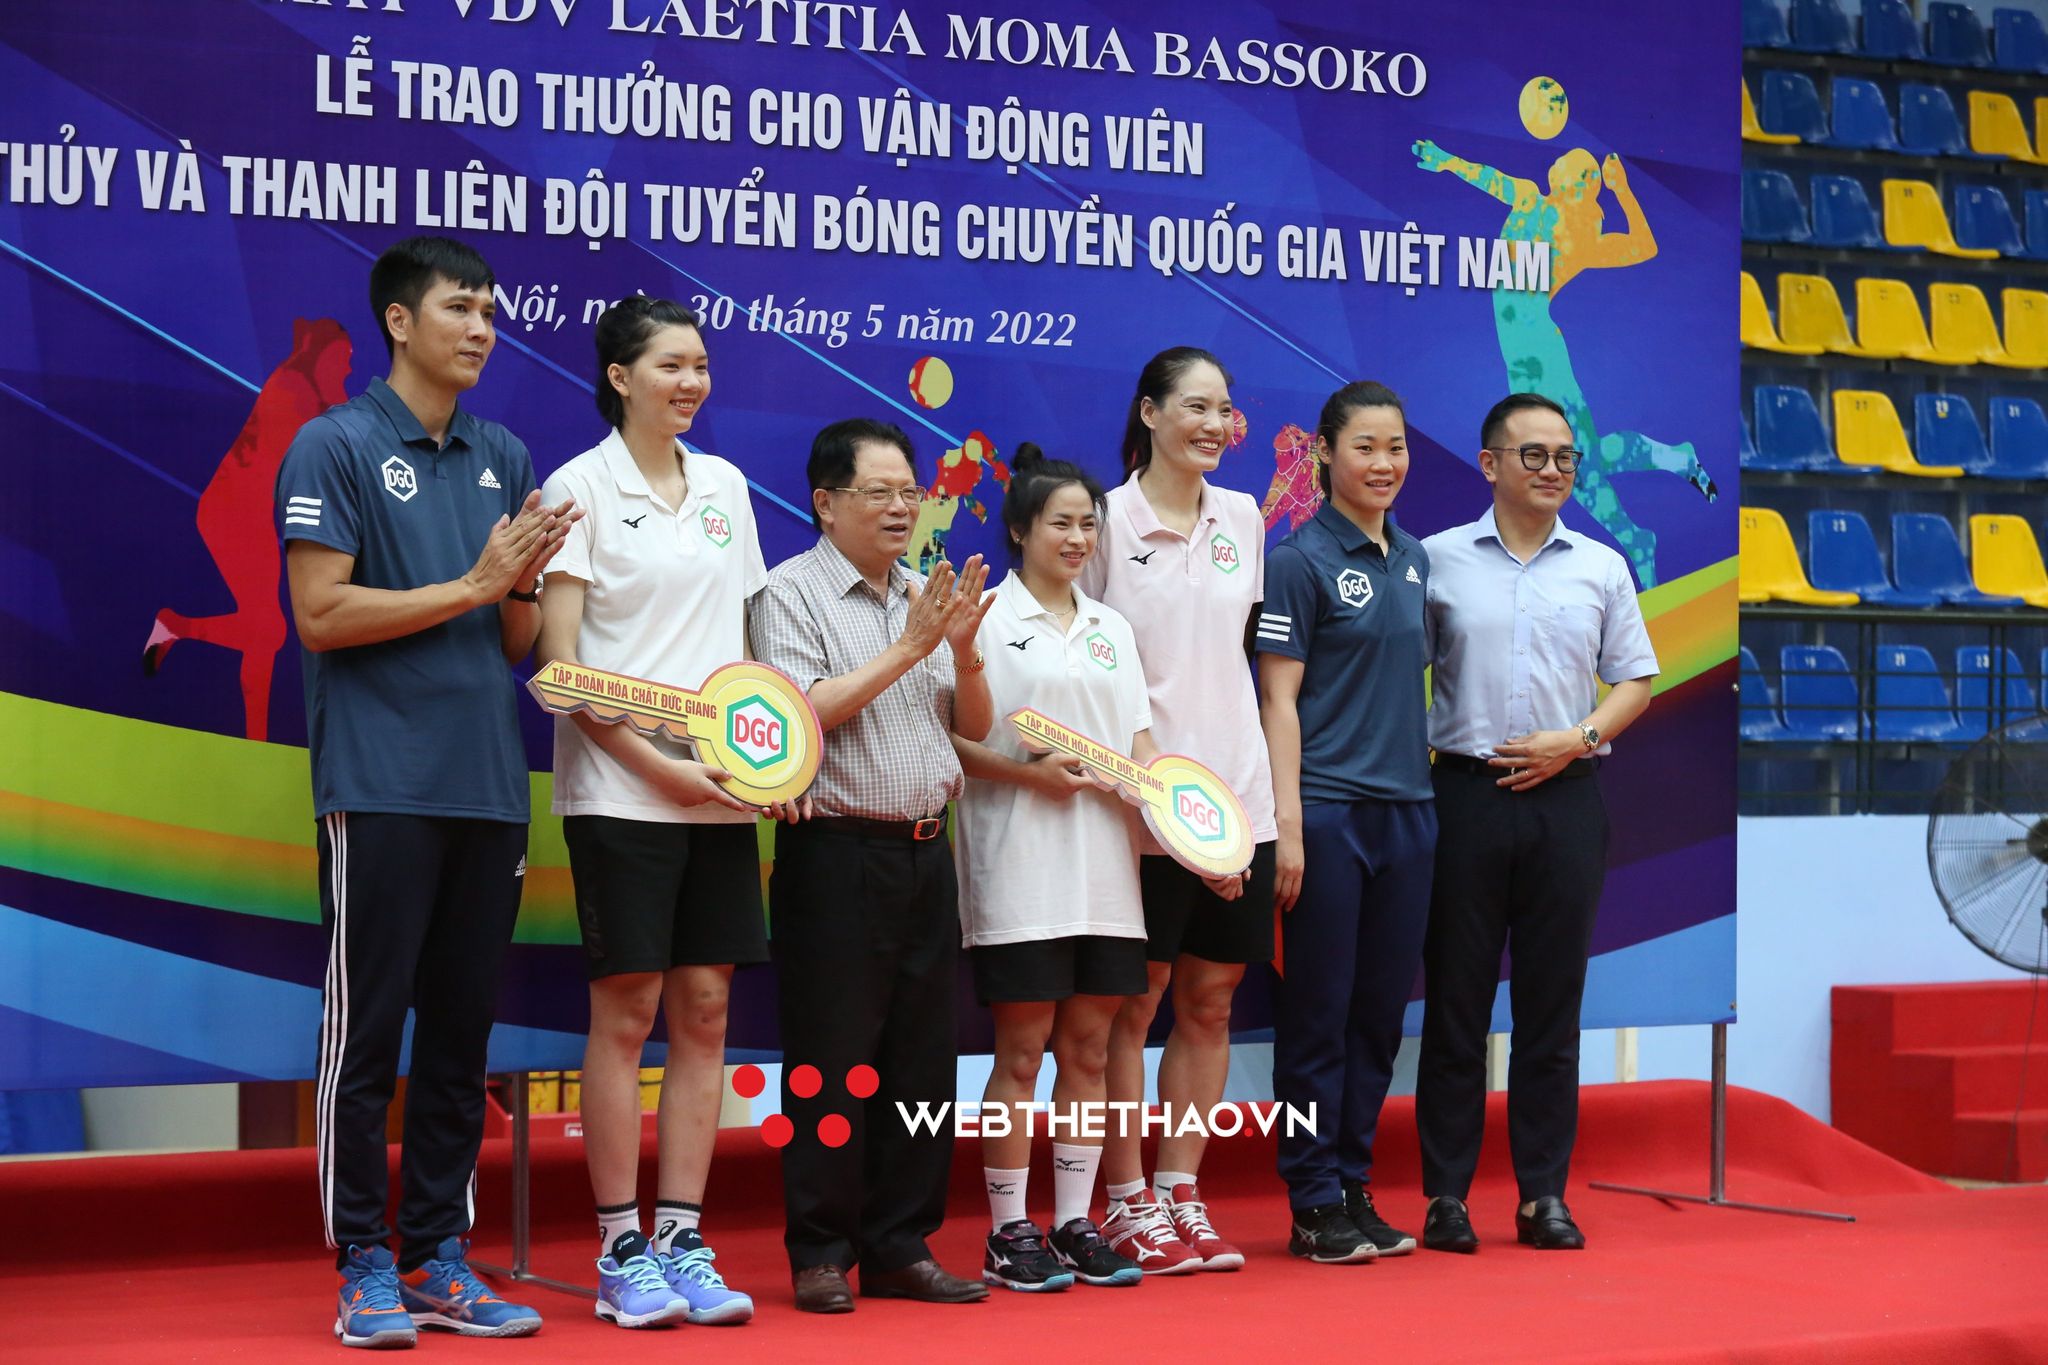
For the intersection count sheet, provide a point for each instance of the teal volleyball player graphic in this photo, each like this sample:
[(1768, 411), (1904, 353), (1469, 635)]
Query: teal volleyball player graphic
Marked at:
[(1569, 218)]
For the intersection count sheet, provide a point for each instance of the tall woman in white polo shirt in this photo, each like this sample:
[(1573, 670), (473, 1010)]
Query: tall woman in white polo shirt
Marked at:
[(1048, 874), (1186, 562), (653, 582)]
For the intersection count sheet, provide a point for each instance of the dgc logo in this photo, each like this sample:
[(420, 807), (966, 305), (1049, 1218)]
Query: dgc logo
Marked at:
[(399, 480), (717, 527), (757, 731), (1354, 587), (1101, 650), (1223, 553), (1203, 818)]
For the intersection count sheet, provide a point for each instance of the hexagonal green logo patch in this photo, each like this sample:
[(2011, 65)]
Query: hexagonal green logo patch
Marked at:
[(757, 731), (1223, 553), (717, 527), (1101, 650)]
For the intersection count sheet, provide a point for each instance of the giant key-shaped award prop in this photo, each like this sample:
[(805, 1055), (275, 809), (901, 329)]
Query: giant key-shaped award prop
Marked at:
[(748, 718), (1194, 815)]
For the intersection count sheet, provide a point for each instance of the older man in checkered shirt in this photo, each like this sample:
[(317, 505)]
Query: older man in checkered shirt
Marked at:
[(864, 916)]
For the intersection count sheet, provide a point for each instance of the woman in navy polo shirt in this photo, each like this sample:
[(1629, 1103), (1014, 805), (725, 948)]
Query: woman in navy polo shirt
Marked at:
[(1341, 659)]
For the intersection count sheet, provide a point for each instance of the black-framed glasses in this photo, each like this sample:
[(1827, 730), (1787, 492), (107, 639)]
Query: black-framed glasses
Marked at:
[(878, 495), (1535, 457)]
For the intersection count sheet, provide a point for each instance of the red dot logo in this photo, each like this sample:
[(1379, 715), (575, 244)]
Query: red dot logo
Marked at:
[(806, 1082)]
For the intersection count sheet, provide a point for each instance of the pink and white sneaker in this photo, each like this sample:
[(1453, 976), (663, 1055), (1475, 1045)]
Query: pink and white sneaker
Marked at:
[(1190, 1217), (1139, 1230)]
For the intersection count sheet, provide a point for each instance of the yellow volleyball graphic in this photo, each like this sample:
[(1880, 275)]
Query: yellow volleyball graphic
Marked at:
[(1544, 107), (931, 382)]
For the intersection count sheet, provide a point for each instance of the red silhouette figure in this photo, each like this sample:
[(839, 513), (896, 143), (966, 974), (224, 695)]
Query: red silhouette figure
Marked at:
[(235, 517)]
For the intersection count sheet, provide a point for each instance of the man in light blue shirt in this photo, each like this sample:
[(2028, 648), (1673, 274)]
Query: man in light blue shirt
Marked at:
[(1525, 619)]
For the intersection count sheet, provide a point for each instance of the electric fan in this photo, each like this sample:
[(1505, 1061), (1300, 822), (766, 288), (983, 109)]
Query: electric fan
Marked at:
[(1987, 844)]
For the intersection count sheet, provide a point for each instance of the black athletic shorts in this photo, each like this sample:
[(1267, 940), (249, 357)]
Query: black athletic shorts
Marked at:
[(651, 895), (1182, 915), (1055, 968)]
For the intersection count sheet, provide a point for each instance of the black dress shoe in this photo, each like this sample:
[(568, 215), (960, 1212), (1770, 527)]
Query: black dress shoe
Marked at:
[(927, 1282), (822, 1289), (1448, 1227), (1549, 1227)]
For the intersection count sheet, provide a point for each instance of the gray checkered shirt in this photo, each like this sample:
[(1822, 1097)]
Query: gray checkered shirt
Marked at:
[(817, 618)]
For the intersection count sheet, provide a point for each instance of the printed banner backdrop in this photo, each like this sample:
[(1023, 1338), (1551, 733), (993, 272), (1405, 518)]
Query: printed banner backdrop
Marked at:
[(976, 222)]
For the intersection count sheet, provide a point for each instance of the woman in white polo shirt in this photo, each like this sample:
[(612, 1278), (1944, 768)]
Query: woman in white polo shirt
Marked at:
[(1185, 561), (653, 582), (1048, 872)]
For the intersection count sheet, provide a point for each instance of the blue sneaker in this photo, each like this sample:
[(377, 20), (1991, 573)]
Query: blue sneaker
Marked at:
[(446, 1293), (686, 1265), (631, 1290), (368, 1313)]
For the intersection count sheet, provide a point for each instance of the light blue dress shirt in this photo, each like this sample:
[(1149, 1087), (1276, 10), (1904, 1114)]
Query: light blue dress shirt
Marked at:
[(1519, 647)]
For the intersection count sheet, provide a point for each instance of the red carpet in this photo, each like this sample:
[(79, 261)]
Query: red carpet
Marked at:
[(217, 1257)]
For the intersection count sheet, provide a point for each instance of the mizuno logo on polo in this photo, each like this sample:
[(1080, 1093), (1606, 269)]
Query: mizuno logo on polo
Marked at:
[(1145, 558), (487, 479), (302, 511), (1414, 577), (399, 480), (1019, 645), (634, 522), (1354, 588)]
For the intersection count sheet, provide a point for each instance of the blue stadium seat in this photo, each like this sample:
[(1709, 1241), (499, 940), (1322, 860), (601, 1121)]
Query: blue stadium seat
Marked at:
[(1792, 105), (1927, 557), (1748, 454), (1819, 693), (1955, 36), (1974, 708), (1890, 32), (1758, 708), (1859, 117), (1983, 220), (1913, 705), (1820, 26), (2019, 439), (1789, 432), (1843, 215), (2037, 225), (1946, 431), (1771, 211), (1842, 556), (1928, 125), (2018, 42), (1763, 24)]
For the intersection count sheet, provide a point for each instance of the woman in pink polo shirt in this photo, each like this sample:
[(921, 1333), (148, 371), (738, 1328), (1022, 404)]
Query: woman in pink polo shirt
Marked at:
[(1184, 561)]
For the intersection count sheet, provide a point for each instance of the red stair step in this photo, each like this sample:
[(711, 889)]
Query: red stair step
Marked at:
[(1984, 1146), (1972, 1079)]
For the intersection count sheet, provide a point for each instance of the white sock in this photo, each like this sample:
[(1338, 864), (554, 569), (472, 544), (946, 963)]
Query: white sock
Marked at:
[(1073, 1181), (615, 1222), (1164, 1181), (1005, 1194), (673, 1217), (1123, 1191)]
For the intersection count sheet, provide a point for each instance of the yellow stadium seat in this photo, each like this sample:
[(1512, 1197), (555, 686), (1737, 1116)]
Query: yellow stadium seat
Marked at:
[(1769, 568), (1810, 315), (1913, 216), (1889, 323), (1869, 435), (1961, 323), (2005, 559), (1757, 330), (1996, 128), (1752, 131), (2026, 327)]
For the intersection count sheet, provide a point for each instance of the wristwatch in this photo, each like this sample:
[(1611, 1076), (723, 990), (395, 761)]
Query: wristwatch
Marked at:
[(1591, 736), (971, 668), (518, 596)]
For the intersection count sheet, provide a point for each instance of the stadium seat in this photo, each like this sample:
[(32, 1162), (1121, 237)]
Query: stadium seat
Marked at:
[(1789, 431), (1912, 699), (1753, 131), (1997, 130), (1984, 220), (1928, 125), (1769, 565), (1771, 211), (1757, 330), (1747, 453), (1913, 217), (1858, 116), (1843, 216), (1960, 323), (1890, 32), (1945, 431), (1791, 107), (1955, 36), (1868, 432), (1927, 557), (2005, 559), (2019, 439), (1758, 708), (1819, 693), (1810, 314), (1821, 26), (1974, 708), (2037, 224), (2026, 327), (2018, 42), (1844, 557), (1763, 24), (1888, 322)]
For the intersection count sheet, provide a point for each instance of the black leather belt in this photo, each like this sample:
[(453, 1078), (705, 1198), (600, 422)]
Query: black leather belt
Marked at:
[(1465, 763), (917, 831)]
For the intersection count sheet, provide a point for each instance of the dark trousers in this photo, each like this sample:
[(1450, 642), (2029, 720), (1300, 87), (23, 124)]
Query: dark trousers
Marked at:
[(418, 912), (1521, 871), (1352, 944), (865, 933)]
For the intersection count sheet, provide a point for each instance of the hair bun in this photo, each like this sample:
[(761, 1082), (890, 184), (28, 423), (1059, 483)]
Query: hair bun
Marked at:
[(1026, 455)]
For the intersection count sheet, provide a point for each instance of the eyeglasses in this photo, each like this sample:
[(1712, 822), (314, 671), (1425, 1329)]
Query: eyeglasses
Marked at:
[(880, 496), (1535, 457)]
